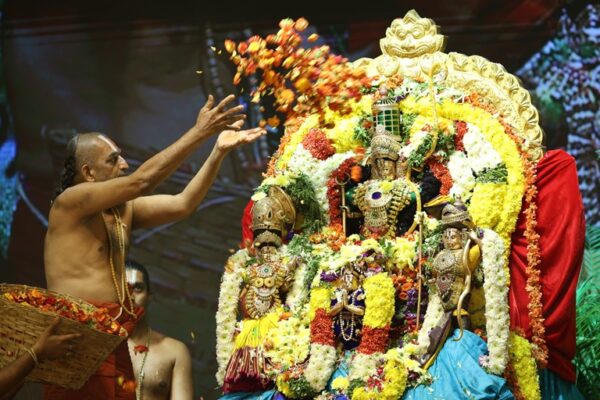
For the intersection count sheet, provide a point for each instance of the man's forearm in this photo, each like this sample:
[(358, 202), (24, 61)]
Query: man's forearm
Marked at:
[(13, 375), (196, 190), (161, 165)]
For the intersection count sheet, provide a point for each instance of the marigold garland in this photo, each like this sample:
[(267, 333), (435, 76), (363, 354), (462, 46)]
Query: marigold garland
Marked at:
[(461, 129), (374, 340), (534, 285), (320, 328)]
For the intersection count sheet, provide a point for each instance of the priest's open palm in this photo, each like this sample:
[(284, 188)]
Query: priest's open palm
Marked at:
[(230, 139)]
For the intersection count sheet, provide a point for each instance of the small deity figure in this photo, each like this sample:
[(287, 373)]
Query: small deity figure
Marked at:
[(452, 270), (348, 307), (389, 200), (266, 279)]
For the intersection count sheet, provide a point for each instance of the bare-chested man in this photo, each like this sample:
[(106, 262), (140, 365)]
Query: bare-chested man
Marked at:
[(92, 217), (164, 362)]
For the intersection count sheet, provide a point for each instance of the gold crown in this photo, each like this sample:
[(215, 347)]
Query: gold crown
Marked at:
[(456, 215), (384, 145), (274, 212)]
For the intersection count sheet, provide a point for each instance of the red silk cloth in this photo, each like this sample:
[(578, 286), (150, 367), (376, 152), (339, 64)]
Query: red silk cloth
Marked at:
[(561, 227), (107, 382), (247, 234)]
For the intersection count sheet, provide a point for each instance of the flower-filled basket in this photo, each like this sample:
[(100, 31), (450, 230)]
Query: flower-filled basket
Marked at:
[(27, 311)]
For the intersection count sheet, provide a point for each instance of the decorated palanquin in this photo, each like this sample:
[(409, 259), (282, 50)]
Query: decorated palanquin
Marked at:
[(435, 247)]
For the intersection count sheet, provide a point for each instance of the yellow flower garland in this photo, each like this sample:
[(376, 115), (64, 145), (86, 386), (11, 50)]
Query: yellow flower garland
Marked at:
[(524, 366), (320, 297), (379, 300), (342, 133)]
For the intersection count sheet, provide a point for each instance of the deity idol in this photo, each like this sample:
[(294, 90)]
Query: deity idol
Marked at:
[(389, 200), (266, 279), (452, 271)]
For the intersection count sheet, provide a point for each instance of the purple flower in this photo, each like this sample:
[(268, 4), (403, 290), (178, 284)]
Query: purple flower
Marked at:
[(329, 276)]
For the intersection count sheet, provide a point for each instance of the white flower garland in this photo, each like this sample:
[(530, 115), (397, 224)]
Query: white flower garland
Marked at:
[(432, 317), (226, 316), (495, 287), (320, 365), (297, 293), (415, 141), (363, 366), (462, 175), (480, 152)]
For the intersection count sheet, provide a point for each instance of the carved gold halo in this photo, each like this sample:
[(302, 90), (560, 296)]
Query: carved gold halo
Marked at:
[(413, 47)]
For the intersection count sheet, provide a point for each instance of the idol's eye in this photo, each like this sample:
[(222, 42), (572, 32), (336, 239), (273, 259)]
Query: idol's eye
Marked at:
[(259, 282), (269, 282)]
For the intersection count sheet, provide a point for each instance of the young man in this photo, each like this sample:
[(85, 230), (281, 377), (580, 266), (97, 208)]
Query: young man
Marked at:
[(98, 206), (162, 365)]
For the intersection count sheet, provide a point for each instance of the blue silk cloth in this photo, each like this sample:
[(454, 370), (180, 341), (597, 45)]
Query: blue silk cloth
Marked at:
[(457, 374), (266, 395), (553, 387)]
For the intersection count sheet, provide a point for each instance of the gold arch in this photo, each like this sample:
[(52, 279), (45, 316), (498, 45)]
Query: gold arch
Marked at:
[(414, 47)]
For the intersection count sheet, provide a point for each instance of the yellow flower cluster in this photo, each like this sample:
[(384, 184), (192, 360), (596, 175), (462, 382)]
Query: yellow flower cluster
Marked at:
[(340, 383), (524, 366), (320, 297), (379, 300), (342, 133), (402, 253), (283, 386), (395, 379)]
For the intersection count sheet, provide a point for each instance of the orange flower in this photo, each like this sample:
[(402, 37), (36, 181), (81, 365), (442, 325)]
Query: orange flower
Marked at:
[(140, 348), (356, 173), (301, 24), (229, 46), (273, 121)]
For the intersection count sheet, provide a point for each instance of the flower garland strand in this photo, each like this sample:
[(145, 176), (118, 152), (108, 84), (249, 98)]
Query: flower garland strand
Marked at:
[(497, 315), (534, 286), (226, 316), (322, 355), (379, 310), (524, 367)]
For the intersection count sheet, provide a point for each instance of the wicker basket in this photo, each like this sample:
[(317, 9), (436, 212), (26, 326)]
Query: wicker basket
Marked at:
[(21, 325)]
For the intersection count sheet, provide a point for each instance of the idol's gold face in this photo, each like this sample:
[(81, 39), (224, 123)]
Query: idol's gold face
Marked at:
[(386, 168), (452, 238)]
